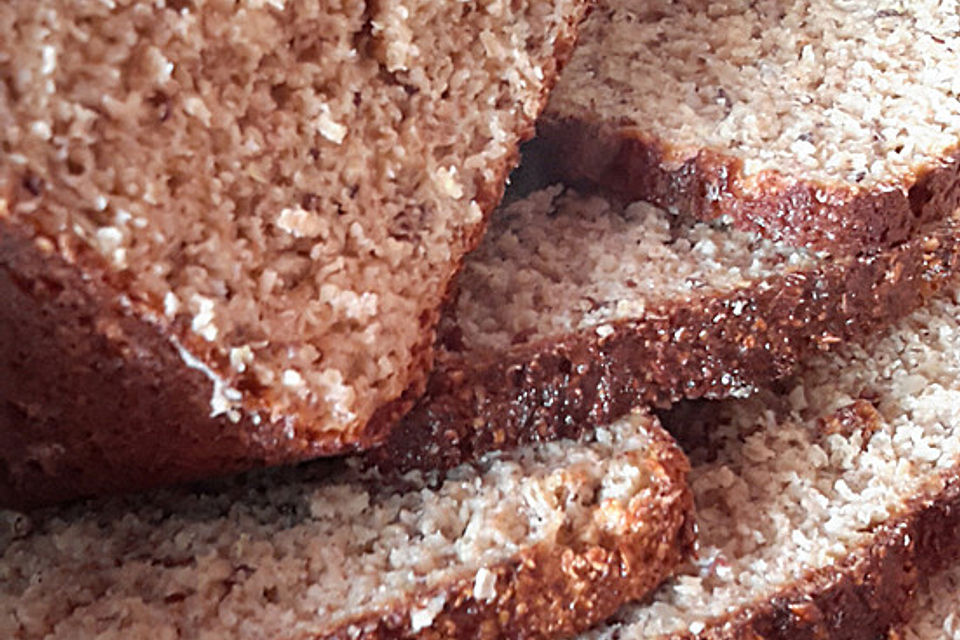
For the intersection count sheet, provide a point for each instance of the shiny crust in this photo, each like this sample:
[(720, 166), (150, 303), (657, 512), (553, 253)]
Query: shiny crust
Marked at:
[(708, 184), (555, 590), (94, 398), (704, 347)]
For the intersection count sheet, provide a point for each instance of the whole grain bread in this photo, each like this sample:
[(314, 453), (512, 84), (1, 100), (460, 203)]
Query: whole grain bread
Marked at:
[(226, 228), (821, 123), (823, 505), (539, 542), (577, 308)]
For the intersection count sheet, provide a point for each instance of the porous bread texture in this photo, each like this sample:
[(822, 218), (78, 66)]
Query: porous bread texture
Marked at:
[(284, 187), (788, 485), (854, 91), (937, 614), (558, 262), (577, 308), (792, 107), (314, 552)]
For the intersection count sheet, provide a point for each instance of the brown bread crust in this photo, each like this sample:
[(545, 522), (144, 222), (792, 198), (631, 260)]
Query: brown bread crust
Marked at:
[(555, 590), (704, 347), (866, 594), (708, 184)]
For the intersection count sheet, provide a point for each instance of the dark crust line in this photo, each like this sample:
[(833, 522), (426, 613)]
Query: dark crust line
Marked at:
[(869, 592), (94, 399), (559, 588), (704, 347), (708, 184)]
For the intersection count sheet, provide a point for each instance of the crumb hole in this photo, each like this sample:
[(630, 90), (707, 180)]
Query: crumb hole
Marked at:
[(33, 183), (75, 167), (180, 5), (281, 94)]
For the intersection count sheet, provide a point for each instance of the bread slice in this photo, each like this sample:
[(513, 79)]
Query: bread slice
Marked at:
[(226, 228), (576, 308), (819, 508), (826, 124), (538, 542)]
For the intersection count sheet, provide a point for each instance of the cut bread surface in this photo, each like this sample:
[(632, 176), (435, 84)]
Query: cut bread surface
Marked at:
[(558, 262), (829, 123), (820, 506), (577, 307), (281, 189), (540, 541)]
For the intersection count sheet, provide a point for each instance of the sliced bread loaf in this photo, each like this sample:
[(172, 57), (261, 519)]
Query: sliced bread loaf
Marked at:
[(226, 228), (820, 507), (536, 543), (833, 124), (576, 308)]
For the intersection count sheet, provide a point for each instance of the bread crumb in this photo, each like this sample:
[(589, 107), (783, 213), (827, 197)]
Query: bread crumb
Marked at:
[(292, 379), (171, 304), (301, 223), (223, 399), (196, 107), (329, 128), (41, 129), (421, 618), (202, 323), (604, 330), (241, 357), (48, 60), (447, 180), (485, 585)]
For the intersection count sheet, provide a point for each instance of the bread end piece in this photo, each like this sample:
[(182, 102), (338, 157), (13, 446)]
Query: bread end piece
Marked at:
[(108, 384)]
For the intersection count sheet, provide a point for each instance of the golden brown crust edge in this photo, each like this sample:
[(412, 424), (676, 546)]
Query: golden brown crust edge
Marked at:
[(95, 399), (556, 590), (708, 184), (704, 347), (866, 594)]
